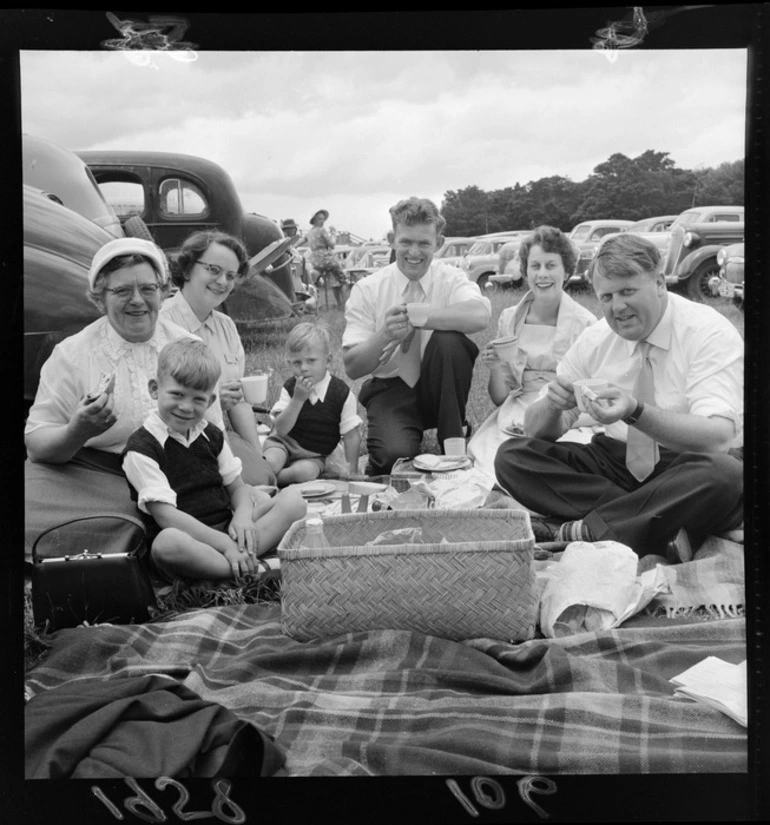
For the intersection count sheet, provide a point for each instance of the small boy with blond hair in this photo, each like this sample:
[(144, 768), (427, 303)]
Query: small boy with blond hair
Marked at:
[(201, 518), (314, 411)]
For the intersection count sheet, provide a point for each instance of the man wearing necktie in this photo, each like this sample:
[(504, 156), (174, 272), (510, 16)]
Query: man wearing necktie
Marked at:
[(420, 361), (665, 473)]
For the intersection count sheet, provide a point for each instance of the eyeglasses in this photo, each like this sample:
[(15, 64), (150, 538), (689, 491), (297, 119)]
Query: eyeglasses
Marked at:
[(123, 293), (215, 271)]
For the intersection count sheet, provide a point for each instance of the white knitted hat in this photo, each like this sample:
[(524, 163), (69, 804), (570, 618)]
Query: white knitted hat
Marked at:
[(128, 246)]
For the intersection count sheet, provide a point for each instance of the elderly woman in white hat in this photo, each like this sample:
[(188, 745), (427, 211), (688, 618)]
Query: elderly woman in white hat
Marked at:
[(93, 389), (322, 257)]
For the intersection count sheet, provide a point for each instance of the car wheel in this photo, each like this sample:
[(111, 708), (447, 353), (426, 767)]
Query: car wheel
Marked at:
[(698, 283), (135, 227), (482, 281)]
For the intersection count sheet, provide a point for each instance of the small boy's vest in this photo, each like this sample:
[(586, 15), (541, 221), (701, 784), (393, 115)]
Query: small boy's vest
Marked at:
[(318, 425)]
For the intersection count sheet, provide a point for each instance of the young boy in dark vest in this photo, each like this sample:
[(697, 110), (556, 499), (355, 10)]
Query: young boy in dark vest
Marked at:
[(314, 411), (201, 517)]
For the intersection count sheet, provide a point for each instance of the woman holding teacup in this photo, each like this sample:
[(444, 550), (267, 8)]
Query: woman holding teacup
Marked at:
[(532, 336), (208, 267)]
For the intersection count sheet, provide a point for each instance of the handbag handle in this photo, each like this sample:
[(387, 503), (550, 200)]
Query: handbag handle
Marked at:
[(123, 516)]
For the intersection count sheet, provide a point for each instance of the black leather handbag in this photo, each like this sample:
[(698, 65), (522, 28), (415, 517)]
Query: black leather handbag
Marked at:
[(88, 569)]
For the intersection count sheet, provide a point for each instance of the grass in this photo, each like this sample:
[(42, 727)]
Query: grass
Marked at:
[(265, 350)]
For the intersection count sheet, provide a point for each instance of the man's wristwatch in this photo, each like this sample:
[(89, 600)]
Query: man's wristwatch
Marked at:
[(635, 415)]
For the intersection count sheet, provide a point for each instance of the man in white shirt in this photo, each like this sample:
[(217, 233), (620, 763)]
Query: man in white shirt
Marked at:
[(687, 433), (421, 362)]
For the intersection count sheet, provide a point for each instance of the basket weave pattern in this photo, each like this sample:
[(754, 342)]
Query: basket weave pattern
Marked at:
[(478, 582)]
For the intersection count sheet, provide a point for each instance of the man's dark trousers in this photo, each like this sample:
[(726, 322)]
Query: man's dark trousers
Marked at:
[(397, 414)]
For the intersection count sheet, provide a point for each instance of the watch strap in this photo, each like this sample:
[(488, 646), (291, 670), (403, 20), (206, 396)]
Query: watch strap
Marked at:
[(635, 415)]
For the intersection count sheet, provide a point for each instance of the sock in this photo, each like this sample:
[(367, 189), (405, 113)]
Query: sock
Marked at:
[(574, 531)]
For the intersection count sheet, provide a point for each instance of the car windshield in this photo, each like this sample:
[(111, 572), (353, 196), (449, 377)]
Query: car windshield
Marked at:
[(579, 233), (452, 249), (479, 248), (639, 226), (687, 218), (604, 230)]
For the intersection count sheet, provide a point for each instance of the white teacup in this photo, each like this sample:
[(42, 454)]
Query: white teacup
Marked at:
[(417, 313), (254, 387), (506, 348), (594, 384), (454, 446)]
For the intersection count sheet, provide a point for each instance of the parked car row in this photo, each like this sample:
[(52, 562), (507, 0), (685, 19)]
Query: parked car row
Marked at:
[(691, 246)]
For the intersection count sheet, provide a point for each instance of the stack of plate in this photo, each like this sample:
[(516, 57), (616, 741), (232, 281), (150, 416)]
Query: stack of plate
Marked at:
[(441, 463), (316, 489)]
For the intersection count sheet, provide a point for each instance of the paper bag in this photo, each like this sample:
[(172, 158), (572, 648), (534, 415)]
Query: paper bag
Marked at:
[(593, 587)]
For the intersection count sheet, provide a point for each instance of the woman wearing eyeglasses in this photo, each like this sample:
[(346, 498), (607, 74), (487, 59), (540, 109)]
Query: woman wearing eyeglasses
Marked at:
[(208, 267), (93, 390)]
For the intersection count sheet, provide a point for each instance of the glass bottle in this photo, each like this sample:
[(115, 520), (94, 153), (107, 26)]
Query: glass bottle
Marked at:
[(314, 537)]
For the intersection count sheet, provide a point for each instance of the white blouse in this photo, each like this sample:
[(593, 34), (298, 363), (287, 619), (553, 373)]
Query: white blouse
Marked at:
[(75, 366)]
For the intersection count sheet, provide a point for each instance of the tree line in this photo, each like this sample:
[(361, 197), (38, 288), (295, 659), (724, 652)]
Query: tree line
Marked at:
[(619, 188)]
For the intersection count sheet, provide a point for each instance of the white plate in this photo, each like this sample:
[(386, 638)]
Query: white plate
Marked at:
[(441, 463), (365, 488), (315, 490)]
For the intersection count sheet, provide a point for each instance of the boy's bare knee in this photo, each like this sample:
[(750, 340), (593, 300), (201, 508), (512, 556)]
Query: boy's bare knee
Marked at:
[(292, 503), (168, 545)]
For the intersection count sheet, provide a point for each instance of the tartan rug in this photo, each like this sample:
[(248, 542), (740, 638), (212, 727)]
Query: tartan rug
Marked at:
[(403, 703)]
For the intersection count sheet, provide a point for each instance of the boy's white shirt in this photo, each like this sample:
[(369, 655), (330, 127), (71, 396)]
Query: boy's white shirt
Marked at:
[(151, 482), (349, 418)]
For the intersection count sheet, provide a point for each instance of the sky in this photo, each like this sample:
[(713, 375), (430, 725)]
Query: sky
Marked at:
[(354, 132)]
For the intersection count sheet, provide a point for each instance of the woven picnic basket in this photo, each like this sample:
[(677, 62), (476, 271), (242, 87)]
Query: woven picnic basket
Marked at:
[(471, 576)]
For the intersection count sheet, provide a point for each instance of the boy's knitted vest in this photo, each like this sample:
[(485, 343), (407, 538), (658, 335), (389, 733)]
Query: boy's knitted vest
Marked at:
[(318, 425), (192, 472)]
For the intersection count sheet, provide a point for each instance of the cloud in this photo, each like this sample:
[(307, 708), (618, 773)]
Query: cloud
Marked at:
[(359, 130)]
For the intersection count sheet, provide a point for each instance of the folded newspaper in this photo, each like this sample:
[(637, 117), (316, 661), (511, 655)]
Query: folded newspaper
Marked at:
[(719, 684)]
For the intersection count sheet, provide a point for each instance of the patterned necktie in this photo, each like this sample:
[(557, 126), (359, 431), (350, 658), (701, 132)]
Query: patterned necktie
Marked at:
[(411, 345), (641, 450)]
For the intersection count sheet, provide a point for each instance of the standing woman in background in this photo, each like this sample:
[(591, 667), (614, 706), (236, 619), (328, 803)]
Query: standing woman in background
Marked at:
[(207, 269), (322, 257)]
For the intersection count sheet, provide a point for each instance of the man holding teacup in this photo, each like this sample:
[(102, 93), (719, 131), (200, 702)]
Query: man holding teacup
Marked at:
[(666, 472), (407, 327)]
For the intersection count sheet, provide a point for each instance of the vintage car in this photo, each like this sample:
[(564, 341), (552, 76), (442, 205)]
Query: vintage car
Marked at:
[(481, 261), (697, 236), (508, 252), (662, 223), (59, 245), (66, 220), (730, 281), (656, 230), (453, 249), (175, 194), (366, 260), (587, 235)]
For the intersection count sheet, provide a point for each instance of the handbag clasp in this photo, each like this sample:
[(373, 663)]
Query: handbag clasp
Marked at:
[(86, 554)]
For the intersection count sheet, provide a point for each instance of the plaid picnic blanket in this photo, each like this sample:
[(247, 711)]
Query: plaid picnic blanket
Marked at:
[(403, 703), (714, 581)]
